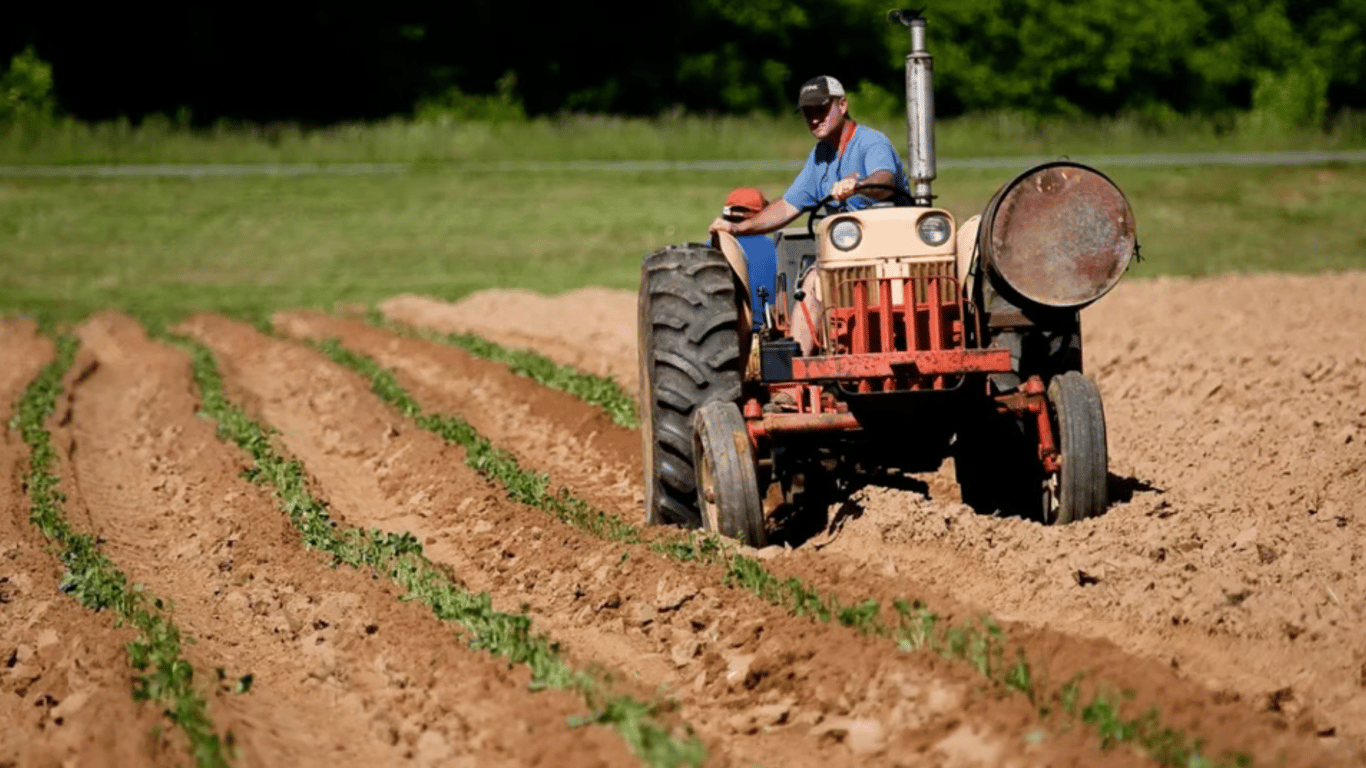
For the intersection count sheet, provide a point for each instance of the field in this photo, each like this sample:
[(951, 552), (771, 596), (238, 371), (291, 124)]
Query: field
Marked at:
[(279, 488)]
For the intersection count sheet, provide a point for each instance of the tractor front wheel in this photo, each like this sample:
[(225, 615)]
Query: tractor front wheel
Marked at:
[(1078, 489), (727, 488)]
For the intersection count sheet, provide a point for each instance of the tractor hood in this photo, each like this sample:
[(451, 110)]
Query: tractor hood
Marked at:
[(884, 234)]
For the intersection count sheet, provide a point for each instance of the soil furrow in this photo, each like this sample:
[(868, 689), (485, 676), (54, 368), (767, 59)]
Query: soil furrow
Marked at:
[(342, 672), (581, 328), (1232, 555), (66, 689), (760, 685), (525, 418)]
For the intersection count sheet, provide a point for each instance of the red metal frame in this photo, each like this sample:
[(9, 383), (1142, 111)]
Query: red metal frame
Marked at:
[(885, 347)]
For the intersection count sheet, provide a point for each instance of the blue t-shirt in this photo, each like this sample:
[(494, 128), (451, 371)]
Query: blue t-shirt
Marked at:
[(868, 151)]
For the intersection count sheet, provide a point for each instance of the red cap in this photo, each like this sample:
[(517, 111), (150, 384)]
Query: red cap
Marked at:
[(744, 202)]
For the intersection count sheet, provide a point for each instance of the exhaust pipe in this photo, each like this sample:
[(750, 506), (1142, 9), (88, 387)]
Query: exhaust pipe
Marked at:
[(919, 107)]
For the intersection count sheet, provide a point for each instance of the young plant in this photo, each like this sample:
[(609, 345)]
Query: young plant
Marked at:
[(164, 675), (399, 556)]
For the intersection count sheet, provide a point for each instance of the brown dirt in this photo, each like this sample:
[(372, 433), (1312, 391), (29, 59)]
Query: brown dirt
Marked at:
[(1224, 587), (739, 667), (1231, 565), (66, 685), (344, 673)]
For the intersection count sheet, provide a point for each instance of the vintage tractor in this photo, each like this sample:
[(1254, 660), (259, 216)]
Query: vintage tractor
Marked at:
[(934, 340)]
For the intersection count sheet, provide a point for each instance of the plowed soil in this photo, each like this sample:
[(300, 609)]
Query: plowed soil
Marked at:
[(1236, 410), (1224, 587)]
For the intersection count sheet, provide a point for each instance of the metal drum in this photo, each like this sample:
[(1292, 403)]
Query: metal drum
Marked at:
[(1059, 235)]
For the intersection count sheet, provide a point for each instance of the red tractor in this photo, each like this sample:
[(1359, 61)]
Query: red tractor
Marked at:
[(936, 340)]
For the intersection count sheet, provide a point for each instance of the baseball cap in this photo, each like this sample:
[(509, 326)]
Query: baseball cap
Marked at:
[(819, 90), (743, 202)]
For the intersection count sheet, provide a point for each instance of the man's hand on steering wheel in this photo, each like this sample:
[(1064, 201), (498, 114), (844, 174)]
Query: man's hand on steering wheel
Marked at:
[(845, 188), (816, 211)]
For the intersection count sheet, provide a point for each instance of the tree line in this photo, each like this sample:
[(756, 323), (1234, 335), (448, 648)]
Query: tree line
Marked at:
[(324, 62)]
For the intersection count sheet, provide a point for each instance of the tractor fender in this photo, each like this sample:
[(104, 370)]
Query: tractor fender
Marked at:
[(967, 253), (739, 264)]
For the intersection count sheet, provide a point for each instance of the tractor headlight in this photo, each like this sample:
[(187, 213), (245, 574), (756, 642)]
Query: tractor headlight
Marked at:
[(845, 234), (934, 228)]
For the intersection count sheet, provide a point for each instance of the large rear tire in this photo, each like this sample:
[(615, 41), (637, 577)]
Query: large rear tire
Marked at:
[(689, 350), (727, 487), (1078, 489)]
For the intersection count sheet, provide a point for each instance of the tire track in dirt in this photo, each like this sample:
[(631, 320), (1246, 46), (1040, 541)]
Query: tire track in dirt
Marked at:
[(66, 687), (759, 685), (344, 673), (1211, 572)]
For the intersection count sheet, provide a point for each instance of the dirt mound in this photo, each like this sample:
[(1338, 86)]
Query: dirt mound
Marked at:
[(345, 673), (586, 328), (1224, 587), (1236, 425), (66, 685)]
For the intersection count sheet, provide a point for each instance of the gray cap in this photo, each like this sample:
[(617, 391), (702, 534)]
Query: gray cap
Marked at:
[(819, 90)]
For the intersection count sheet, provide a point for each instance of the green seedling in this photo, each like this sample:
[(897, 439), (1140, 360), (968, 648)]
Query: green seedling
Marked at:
[(164, 676), (399, 556)]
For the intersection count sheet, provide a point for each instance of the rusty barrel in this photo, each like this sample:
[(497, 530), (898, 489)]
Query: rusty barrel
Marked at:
[(1059, 235)]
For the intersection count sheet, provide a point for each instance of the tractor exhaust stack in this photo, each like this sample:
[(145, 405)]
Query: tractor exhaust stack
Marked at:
[(919, 107)]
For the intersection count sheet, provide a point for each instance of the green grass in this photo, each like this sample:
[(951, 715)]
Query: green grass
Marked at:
[(669, 137), (163, 674), (982, 645), (165, 247), (399, 557)]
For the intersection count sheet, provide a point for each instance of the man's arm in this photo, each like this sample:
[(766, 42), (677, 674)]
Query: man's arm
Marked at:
[(775, 215), (846, 188)]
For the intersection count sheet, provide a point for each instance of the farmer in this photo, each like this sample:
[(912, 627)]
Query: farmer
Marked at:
[(846, 155)]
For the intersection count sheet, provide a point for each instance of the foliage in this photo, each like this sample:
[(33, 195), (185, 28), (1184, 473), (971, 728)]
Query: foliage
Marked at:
[(320, 64), (1151, 56), (26, 90), (164, 675), (454, 105)]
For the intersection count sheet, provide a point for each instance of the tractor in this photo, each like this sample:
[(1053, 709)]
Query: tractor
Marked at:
[(935, 340)]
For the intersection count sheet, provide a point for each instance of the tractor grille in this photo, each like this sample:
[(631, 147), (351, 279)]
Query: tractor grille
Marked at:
[(839, 282), (893, 306)]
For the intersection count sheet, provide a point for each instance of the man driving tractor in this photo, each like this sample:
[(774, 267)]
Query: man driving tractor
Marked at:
[(846, 156)]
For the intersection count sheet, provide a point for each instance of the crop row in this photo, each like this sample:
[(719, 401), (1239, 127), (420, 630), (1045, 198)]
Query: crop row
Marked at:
[(399, 556), (164, 675)]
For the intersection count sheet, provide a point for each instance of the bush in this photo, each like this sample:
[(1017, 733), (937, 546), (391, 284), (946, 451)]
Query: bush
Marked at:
[(26, 90), (456, 106)]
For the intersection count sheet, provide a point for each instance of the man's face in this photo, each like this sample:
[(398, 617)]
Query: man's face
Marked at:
[(825, 120)]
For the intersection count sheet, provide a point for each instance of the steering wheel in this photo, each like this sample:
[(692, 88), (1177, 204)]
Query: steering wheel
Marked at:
[(813, 210)]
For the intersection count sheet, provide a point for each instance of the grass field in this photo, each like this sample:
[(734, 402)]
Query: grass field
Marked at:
[(157, 139), (162, 247)]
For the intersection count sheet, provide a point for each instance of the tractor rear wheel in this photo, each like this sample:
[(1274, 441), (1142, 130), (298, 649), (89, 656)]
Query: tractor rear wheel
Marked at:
[(1078, 489), (689, 349), (727, 488)]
